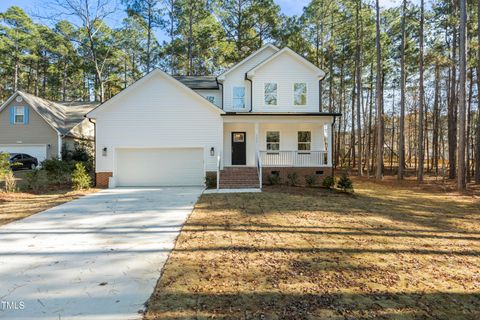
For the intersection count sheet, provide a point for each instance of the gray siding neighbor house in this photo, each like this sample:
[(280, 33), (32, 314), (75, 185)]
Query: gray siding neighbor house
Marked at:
[(41, 128)]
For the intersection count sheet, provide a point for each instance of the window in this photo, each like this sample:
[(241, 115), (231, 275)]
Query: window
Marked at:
[(273, 140), (271, 94), (304, 140), (238, 97), (210, 98), (299, 94), (238, 137), (19, 115)]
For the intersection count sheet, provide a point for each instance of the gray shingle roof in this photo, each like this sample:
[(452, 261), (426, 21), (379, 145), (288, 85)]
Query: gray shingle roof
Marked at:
[(63, 116), (198, 82)]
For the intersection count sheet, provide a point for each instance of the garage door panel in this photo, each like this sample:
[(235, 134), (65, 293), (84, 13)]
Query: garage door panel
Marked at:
[(37, 151), (159, 167)]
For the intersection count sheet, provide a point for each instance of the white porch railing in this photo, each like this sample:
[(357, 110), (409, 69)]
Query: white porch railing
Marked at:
[(294, 158), (219, 161)]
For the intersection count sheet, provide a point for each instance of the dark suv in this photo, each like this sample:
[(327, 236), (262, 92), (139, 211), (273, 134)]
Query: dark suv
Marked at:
[(22, 161)]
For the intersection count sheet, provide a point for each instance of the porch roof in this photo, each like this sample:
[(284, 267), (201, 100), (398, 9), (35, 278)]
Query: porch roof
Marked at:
[(289, 114)]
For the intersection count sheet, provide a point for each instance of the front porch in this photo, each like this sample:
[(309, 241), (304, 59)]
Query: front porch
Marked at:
[(268, 145)]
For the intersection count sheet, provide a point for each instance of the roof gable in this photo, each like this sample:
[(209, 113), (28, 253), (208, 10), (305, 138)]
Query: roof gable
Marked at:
[(320, 73), (267, 46), (137, 86)]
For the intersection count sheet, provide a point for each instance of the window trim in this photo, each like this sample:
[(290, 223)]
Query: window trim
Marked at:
[(267, 143), (308, 143), (16, 113), (265, 94), (306, 94), (244, 97)]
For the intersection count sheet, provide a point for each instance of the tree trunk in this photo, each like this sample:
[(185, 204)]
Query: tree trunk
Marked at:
[(358, 64), (452, 117), (378, 100), (461, 184), (436, 120), (477, 142), (401, 145), (421, 147)]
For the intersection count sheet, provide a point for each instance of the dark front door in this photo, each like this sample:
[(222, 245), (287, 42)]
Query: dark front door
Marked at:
[(239, 148)]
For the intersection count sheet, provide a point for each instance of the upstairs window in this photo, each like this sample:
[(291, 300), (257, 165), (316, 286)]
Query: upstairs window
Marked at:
[(19, 115), (270, 94), (273, 140), (238, 97), (299, 94), (211, 99), (304, 140)]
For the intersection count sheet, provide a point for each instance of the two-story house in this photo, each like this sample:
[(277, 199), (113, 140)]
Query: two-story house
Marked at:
[(261, 117)]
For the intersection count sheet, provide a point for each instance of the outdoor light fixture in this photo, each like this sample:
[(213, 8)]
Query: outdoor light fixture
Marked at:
[(104, 151), (212, 151)]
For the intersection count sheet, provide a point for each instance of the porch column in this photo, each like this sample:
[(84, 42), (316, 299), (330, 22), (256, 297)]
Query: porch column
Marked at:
[(257, 144), (330, 145)]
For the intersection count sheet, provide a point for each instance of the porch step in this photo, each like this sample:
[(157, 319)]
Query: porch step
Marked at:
[(239, 178)]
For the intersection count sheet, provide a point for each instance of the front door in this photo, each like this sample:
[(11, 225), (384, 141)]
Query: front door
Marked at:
[(239, 148)]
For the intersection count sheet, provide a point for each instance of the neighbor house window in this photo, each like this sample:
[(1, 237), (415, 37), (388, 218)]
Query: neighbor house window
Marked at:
[(19, 115), (300, 94), (273, 140), (304, 140), (210, 98), (271, 94), (238, 97)]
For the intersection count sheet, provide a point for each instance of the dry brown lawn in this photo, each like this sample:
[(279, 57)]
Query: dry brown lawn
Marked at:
[(19, 205), (389, 251)]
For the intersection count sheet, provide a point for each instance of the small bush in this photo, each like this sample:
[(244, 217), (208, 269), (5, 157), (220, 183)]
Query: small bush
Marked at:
[(311, 180), (345, 183), (58, 171), (80, 178), (10, 183), (211, 180), (328, 182), (293, 179), (274, 179), (35, 180), (4, 164)]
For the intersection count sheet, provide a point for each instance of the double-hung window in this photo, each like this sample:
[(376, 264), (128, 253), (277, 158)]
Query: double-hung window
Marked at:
[(211, 99), (238, 97), (19, 115), (270, 94), (299, 94), (304, 140), (273, 140)]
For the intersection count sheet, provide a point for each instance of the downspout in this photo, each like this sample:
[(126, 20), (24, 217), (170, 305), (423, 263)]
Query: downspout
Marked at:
[(94, 151), (320, 93), (332, 140), (220, 84), (59, 148), (251, 92)]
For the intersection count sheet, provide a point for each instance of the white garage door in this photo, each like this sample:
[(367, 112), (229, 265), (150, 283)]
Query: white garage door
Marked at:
[(38, 151), (159, 167)]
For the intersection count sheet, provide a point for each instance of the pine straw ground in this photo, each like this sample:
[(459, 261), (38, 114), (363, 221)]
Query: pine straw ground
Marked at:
[(389, 251)]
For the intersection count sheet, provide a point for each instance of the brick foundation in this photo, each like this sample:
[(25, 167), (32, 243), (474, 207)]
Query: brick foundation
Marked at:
[(102, 179), (301, 172)]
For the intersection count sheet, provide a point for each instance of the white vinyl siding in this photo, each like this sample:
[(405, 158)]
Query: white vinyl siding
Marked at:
[(236, 78), (208, 93), (286, 71), (159, 113)]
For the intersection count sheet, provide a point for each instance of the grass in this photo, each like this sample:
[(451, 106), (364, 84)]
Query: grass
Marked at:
[(19, 205), (390, 251)]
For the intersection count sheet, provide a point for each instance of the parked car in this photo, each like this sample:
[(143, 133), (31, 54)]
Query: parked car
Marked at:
[(22, 161)]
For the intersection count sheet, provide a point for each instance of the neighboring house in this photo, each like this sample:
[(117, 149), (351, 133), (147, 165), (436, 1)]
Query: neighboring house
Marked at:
[(259, 118), (41, 128)]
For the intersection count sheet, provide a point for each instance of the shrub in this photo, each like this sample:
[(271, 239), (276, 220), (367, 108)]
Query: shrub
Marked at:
[(35, 180), (80, 177), (10, 183), (58, 171), (328, 182), (345, 183), (274, 179), (293, 179), (311, 180), (4, 164), (211, 180)]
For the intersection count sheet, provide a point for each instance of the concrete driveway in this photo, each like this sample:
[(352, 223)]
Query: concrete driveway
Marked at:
[(98, 257)]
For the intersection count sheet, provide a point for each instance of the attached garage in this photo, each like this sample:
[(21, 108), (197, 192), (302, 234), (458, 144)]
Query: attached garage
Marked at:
[(150, 167), (38, 151)]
